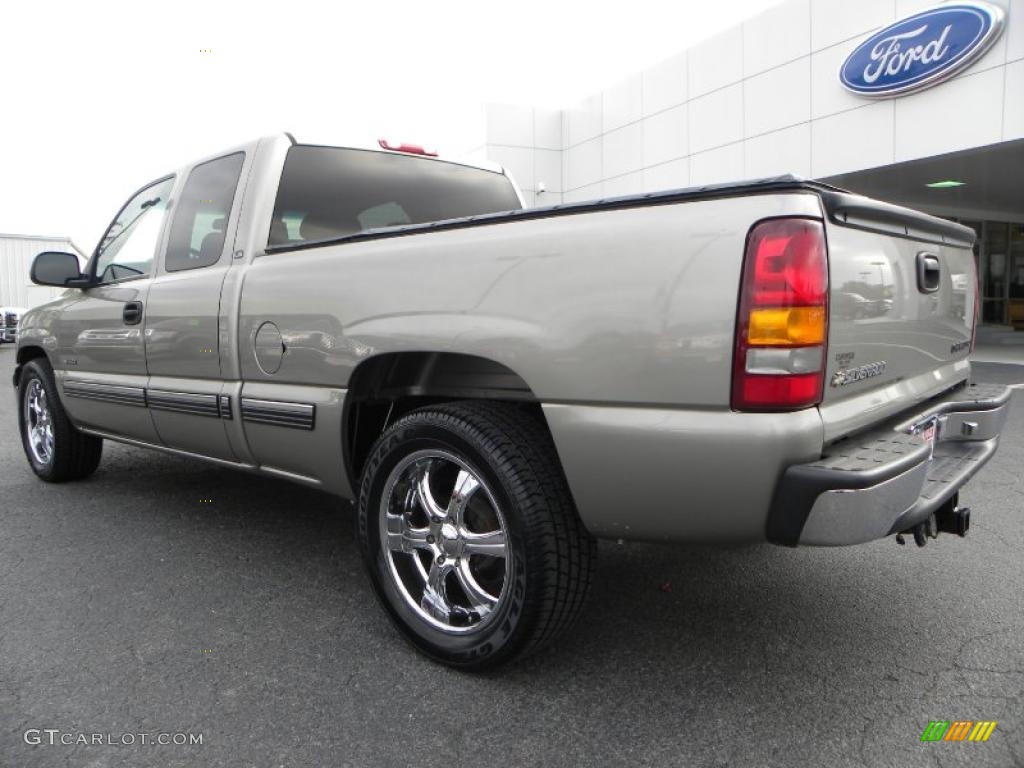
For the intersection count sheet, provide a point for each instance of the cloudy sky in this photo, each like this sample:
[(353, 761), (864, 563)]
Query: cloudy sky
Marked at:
[(101, 97)]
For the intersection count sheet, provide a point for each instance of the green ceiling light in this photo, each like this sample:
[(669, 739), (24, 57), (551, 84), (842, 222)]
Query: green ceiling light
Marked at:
[(944, 184)]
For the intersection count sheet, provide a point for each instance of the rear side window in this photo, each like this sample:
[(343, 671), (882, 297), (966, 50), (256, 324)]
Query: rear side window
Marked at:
[(200, 217), (329, 192)]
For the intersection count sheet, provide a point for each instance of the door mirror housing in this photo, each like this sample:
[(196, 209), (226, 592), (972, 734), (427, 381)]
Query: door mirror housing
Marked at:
[(59, 269)]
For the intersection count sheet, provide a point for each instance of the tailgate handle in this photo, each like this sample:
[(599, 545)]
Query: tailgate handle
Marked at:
[(928, 272)]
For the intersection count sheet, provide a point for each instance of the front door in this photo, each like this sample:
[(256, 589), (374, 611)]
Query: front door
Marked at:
[(190, 405), (101, 359)]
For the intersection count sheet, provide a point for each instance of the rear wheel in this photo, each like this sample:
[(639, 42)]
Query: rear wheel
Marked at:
[(55, 449), (470, 535)]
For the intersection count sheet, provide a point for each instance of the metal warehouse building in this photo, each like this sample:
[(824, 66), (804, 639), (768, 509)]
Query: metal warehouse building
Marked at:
[(16, 254), (903, 100)]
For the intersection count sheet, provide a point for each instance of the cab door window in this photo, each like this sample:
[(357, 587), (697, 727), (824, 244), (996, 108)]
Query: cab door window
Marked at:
[(200, 219), (129, 245)]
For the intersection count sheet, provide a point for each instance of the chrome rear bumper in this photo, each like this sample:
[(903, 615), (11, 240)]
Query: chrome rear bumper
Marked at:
[(891, 478)]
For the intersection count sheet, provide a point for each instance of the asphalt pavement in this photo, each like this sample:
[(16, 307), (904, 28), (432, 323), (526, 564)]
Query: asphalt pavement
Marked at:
[(165, 596)]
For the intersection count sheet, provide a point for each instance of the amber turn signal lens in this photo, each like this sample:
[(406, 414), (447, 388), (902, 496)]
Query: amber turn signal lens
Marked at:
[(786, 327)]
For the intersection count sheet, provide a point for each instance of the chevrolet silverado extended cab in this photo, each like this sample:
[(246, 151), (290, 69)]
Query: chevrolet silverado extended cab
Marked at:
[(498, 386)]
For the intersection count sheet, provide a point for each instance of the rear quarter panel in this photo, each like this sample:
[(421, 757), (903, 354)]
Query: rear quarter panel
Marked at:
[(629, 306), (620, 321)]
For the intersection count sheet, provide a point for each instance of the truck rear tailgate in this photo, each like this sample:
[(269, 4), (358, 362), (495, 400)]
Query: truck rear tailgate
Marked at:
[(901, 310)]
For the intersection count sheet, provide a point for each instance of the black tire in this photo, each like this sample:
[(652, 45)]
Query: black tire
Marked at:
[(74, 455), (549, 558)]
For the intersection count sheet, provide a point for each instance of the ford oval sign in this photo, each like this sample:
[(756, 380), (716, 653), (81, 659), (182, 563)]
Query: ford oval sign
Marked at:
[(923, 49)]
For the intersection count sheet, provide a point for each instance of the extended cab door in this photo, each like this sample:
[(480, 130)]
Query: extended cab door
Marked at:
[(100, 361), (190, 405)]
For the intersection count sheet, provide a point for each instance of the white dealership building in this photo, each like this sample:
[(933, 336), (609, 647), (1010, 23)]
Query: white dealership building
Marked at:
[(938, 123)]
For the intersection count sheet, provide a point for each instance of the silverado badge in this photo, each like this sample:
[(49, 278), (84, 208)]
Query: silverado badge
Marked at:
[(861, 372)]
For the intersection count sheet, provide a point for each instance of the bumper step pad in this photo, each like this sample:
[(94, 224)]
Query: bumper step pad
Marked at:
[(890, 478)]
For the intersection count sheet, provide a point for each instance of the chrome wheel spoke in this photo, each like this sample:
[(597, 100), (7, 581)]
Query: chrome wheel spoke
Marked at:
[(425, 496), (465, 486), (435, 593), (481, 601), (402, 537), (492, 543)]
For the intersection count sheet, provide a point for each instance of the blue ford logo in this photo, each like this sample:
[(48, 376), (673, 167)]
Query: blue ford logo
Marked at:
[(923, 49)]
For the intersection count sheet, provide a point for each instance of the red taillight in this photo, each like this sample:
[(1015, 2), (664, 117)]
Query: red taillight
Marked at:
[(409, 149), (781, 328)]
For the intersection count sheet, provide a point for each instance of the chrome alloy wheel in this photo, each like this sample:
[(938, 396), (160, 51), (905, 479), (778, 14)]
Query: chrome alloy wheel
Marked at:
[(38, 426), (445, 540)]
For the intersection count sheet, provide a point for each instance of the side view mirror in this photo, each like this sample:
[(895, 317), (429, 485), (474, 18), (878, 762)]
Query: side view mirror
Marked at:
[(59, 269)]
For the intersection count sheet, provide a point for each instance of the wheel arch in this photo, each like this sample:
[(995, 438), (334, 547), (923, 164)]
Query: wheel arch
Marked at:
[(385, 387), (25, 354)]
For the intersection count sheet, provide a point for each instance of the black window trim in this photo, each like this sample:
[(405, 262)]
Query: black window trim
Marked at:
[(95, 257)]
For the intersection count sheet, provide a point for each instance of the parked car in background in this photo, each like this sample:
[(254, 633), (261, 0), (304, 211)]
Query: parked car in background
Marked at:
[(9, 318), (499, 386)]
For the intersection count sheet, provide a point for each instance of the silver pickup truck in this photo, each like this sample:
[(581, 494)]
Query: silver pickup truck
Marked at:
[(776, 360)]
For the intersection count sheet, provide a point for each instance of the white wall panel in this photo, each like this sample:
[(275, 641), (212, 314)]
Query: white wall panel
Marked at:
[(716, 119), (621, 103), (672, 175), (544, 199), (589, 192), (965, 112), (623, 151), (833, 21), (583, 121), (860, 138), (1013, 109), (547, 128), (629, 184), (664, 85), (664, 135), (547, 167), (584, 164), (777, 98), (778, 35), (716, 62), (785, 151), (827, 95), (717, 165), (908, 7), (1014, 33)]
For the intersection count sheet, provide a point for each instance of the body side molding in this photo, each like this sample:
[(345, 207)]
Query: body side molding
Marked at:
[(283, 414)]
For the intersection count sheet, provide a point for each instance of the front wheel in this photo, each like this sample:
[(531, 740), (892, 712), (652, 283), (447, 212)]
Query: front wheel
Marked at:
[(55, 450), (470, 535)]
